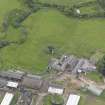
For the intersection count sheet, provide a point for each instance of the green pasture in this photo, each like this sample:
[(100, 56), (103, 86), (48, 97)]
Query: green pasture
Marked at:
[(82, 37), (49, 27)]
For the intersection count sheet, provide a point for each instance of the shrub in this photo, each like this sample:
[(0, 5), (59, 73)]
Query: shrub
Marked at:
[(16, 16)]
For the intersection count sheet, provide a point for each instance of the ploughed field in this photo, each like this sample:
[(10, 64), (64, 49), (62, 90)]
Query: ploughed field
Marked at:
[(47, 27)]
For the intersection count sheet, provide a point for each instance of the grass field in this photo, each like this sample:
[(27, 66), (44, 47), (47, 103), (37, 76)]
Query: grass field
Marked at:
[(95, 76), (88, 99), (50, 27)]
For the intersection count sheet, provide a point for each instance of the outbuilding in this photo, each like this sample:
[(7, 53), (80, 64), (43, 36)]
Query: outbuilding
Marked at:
[(73, 99), (7, 99), (32, 82), (54, 90), (95, 90), (12, 84), (11, 75)]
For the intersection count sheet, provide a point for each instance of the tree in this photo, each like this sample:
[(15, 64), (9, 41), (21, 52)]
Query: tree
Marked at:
[(31, 4), (5, 25), (23, 36), (102, 3), (101, 66), (4, 43), (53, 100), (57, 100), (16, 16), (51, 49)]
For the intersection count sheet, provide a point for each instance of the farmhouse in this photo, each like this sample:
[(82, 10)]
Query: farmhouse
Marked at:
[(84, 66), (64, 63), (71, 64)]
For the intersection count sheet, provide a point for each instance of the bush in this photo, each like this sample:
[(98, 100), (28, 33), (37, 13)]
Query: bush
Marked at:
[(16, 16), (101, 66), (57, 100), (5, 26), (23, 36), (53, 100), (101, 3)]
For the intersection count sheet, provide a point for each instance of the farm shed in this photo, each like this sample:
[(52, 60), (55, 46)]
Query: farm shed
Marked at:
[(64, 63), (7, 99), (12, 84), (84, 66), (79, 65), (32, 82), (73, 100), (87, 66), (11, 75), (95, 90), (54, 90)]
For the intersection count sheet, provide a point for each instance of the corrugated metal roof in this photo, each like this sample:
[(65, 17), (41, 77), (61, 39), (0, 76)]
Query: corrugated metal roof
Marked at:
[(12, 84), (7, 99), (73, 100), (11, 75), (54, 90)]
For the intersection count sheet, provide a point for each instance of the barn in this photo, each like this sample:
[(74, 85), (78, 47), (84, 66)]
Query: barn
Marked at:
[(33, 82)]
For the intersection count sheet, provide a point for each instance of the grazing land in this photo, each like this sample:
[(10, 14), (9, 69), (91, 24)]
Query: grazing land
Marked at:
[(50, 27)]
